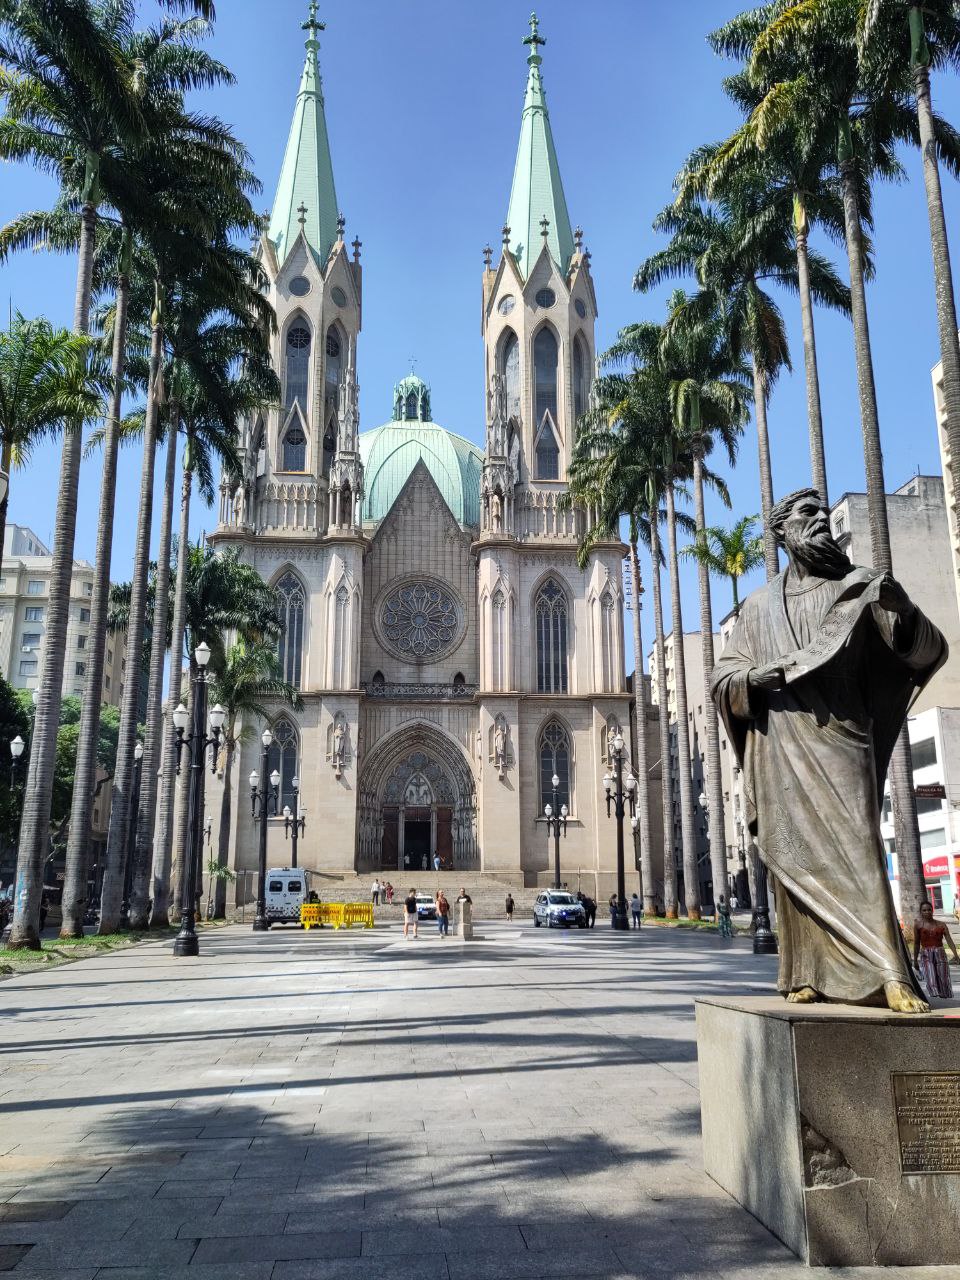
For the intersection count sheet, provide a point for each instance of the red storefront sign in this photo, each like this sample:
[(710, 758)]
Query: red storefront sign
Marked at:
[(936, 868)]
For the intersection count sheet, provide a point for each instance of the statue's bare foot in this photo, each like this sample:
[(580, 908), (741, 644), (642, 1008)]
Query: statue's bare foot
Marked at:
[(903, 999), (803, 995)]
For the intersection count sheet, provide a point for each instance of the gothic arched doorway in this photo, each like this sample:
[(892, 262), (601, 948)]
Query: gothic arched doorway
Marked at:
[(417, 803)]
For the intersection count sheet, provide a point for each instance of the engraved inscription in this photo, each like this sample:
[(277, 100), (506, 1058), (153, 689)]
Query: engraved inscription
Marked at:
[(927, 1106)]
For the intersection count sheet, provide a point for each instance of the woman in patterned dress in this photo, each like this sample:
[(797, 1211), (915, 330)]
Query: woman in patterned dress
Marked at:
[(929, 955)]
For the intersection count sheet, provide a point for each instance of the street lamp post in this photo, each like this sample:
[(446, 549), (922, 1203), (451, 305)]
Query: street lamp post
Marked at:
[(556, 816), (261, 802), (197, 744), (615, 787), (131, 834), (295, 822), (764, 939)]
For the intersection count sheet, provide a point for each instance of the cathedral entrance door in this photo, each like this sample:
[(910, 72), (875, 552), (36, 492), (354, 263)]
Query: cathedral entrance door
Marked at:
[(417, 832)]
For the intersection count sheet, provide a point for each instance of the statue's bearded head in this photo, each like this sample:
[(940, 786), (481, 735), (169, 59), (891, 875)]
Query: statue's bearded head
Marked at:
[(801, 525)]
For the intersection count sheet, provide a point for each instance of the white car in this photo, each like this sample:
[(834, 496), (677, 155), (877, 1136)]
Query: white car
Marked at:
[(426, 907), (286, 891), (556, 907)]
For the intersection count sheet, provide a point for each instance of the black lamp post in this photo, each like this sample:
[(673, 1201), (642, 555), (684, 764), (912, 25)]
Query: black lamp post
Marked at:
[(556, 816), (764, 939), (132, 834), (197, 744), (615, 788), (294, 823), (262, 801)]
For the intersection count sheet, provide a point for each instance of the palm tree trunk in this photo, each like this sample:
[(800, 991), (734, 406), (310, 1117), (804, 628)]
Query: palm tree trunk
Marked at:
[(942, 271), (163, 854), (716, 815), (112, 891), (74, 898), (643, 776), (6, 461), (771, 557), (666, 779), (153, 732), (903, 800), (181, 839), (818, 461), (691, 869), (223, 838), (38, 794)]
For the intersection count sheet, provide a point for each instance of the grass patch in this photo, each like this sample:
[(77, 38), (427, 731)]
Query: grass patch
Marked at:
[(57, 951)]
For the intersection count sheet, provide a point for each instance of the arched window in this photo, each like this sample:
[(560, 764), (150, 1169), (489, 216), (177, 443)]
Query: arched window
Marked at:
[(554, 759), (545, 361), (548, 454), (551, 626), (333, 367), (510, 372), (291, 605), (298, 366), (410, 408), (283, 756), (294, 449), (579, 380), (329, 445)]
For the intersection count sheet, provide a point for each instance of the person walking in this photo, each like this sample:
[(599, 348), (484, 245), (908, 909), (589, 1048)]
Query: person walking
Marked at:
[(436, 862), (375, 892), (443, 913), (387, 892), (410, 919), (636, 910), (590, 907), (723, 918), (614, 905), (929, 955), (509, 905)]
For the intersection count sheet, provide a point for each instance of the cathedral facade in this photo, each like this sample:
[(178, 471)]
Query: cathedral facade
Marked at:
[(452, 655)]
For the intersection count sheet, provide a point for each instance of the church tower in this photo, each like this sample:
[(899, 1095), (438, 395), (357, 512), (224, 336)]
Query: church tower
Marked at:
[(295, 511), (551, 633)]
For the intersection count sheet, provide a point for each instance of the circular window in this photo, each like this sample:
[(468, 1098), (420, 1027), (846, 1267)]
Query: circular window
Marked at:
[(581, 308), (299, 338), (333, 345), (546, 298), (300, 286), (419, 620), (339, 297), (507, 304)]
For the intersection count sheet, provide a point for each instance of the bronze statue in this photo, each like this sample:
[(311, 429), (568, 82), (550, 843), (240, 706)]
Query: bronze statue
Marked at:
[(813, 687)]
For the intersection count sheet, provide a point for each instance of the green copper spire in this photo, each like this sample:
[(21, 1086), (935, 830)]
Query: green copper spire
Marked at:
[(537, 192), (306, 195)]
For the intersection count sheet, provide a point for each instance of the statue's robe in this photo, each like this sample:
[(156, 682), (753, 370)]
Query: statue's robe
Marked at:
[(814, 757)]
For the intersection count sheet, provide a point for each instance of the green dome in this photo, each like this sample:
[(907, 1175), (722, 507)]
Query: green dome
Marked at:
[(391, 452)]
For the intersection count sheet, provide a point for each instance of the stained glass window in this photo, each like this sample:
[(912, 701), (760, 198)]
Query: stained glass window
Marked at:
[(545, 372), (551, 628), (282, 756), (294, 449), (554, 759), (298, 366), (419, 620), (291, 605)]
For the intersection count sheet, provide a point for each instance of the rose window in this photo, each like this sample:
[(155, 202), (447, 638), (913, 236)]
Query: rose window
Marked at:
[(419, 620)]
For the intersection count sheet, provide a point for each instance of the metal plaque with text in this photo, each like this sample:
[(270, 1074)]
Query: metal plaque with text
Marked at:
[(927, 1106)]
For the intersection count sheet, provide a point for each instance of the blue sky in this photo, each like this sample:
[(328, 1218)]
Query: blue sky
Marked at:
[(423, 107)]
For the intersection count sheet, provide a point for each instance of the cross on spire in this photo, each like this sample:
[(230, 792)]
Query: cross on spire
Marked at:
[(341, 225), (302, 212), (578, 239), (534, 39), (487, 257), (313, 25), (505, 235), (544, 226), (357, 244)]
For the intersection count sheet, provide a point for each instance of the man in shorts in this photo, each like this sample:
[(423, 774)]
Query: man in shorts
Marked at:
[(410, 913)]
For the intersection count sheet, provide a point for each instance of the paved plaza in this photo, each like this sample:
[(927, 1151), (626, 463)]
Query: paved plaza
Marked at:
[(296, 1106)]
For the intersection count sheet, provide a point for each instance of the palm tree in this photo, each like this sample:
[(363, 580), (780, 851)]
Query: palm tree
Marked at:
[(249, 680), (224, 598), (728, 553), (82, 380), (602, 478), (709, 395)]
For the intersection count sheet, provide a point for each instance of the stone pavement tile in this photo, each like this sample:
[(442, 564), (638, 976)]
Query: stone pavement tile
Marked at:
[(533, 1265), (317, 1244), (464, 1239), (427, 1267), (109, 1253), (243, 1223), (35, 1211), (319, 1216), (72, 1273), (214, 1271), (11, 1254)]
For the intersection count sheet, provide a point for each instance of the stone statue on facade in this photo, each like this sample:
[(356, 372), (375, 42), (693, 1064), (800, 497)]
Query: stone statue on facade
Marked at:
[(500, 746), (813, 687), (339, 745)]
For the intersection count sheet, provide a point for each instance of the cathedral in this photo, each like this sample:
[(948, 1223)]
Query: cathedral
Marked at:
[(452, 655)]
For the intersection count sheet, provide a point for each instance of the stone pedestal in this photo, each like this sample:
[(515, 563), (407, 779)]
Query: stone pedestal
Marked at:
[(837, 1127), (466, 920)]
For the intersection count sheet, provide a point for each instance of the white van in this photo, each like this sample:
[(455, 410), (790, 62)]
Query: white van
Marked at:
[(286, 891)]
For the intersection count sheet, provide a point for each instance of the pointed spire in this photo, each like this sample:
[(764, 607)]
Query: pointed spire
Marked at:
[(537, 190), (306, 187)]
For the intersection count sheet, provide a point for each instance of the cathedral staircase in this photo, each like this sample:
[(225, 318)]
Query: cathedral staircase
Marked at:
[(488, 890)]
